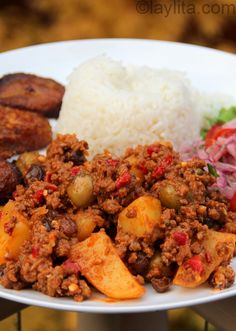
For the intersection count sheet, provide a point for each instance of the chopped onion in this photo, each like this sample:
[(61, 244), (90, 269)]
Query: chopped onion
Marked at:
[(222, 156)]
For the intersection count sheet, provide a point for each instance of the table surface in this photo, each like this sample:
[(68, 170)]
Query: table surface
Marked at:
[(219, 313)]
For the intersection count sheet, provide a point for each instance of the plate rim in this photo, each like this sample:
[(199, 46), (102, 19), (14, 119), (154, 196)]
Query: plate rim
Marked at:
[(111, 308), (107, 40)]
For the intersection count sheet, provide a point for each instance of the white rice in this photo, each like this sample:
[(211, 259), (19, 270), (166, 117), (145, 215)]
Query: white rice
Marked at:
[(114, 106)]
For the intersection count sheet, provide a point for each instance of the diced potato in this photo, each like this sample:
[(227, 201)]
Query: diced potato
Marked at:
[(100, 264), (85, 224), (209, 260), (142, 218), (11, 240)]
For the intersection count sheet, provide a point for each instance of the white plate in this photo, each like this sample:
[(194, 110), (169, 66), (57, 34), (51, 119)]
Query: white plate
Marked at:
[(208, 69)]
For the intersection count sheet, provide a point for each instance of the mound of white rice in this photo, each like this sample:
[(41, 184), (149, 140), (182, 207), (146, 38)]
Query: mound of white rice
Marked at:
[(114, 106)]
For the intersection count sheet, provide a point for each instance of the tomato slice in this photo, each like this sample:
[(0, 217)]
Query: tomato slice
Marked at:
[(232, 206), (210, 137), (225, 132), (217, 131)]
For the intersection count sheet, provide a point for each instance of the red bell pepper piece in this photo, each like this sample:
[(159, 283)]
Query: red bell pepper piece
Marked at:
[(195, 264), (38, 196), (160, 170), (152, 149), (180, 237), (75, 170), (35, 251), (112, 162)]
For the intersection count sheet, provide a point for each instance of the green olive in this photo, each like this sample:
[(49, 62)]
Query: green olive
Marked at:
[(80, 191), (156, 264), (169, 197), (26, 160), (199, 172), (156, 261)]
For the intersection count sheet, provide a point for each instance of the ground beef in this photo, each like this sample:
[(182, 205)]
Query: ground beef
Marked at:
[(64, 148), (44, 262), (62, 248), (230, 224), (222, 277), (10, 277)]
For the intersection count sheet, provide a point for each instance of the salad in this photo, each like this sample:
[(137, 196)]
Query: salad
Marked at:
[(217, 147)]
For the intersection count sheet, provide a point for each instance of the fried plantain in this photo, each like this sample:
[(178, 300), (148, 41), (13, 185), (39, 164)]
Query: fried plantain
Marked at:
[(31, 93), (9, 178), (22, 131)]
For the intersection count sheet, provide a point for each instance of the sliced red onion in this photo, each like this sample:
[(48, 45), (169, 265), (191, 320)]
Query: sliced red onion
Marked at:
[(230, 124), (222, 156)]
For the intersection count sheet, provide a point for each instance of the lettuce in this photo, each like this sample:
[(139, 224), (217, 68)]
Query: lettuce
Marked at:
[(225, 115)]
